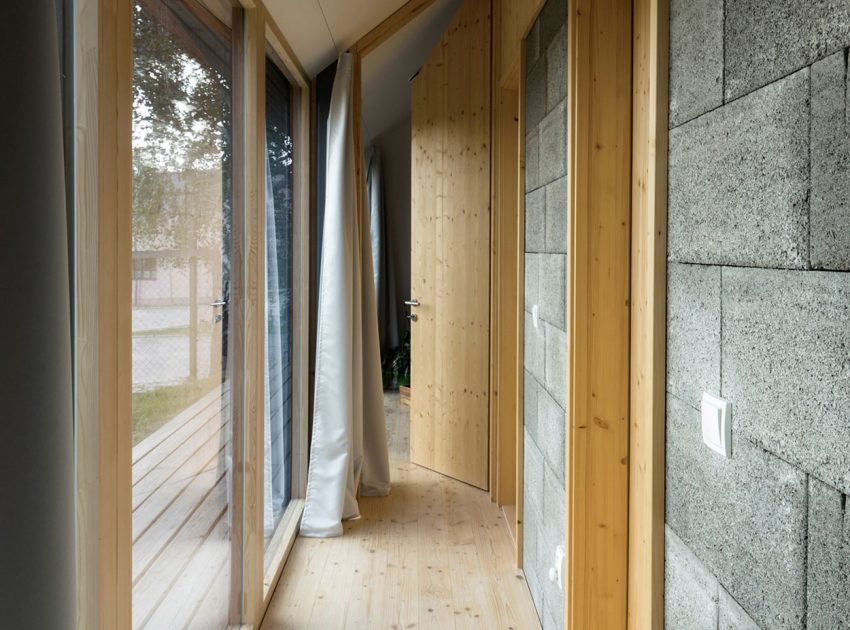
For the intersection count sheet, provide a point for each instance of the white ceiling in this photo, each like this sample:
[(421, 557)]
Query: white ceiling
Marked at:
[(387, 70), (318, 30)]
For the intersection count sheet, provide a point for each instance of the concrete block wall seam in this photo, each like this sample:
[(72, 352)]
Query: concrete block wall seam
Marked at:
[(759, 224), (766, 40), (744, 517), (786, 365)]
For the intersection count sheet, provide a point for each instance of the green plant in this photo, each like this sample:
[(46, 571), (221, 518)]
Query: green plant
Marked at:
[(401, 363)]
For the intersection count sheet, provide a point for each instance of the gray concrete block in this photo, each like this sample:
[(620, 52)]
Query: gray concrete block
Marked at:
[(535, 349), (532, 44), (744, 517), (532, 160), (830, 201), (530, 389), (554, 510), (552, 17), (553, 534), (732, 616), (551, 432), (829, 558), (556, 69), (555, 364), (529, 551), (532, 281), (553, 145), (693, 331), (535, 93), (739, 181), (696, 58), (553, 614), (535, 221), (556, 217), (532, 480), (769, 39), (690, 589), (553, 287), (786, 365)]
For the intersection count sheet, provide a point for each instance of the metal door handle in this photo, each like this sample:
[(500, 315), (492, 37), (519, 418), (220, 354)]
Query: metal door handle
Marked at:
[(412, 302), (218, 303)]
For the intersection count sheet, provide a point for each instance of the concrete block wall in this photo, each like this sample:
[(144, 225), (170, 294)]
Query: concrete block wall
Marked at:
[(759, 313), (545, 361)]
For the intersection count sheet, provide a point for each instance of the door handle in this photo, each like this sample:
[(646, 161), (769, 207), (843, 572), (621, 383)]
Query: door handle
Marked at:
[(218, 303), (412, 302)]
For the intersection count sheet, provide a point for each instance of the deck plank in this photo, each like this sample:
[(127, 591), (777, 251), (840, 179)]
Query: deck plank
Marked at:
[(153, 586)]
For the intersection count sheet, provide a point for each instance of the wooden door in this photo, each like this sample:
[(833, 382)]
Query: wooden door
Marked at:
[(450, 264)]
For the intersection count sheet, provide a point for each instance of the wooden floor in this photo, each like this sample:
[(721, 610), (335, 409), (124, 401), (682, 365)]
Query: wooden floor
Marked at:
[(181, 542), (436, 553)]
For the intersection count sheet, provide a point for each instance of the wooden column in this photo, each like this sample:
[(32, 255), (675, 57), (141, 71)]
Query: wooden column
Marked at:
[(599, 145), (648, 325)]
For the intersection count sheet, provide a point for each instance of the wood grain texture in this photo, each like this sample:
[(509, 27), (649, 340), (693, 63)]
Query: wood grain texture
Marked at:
[(86, 333), (599, 149), (505, 363), (516, 17), (114, 203), (247, 539), (648, 323), (451, 244), (435, 553)]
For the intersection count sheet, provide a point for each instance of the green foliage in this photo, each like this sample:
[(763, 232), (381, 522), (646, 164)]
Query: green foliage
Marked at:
[(401, 363), (181, 140)]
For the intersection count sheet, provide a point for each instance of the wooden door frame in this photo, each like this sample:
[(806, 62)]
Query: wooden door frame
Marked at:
[(617, 147)]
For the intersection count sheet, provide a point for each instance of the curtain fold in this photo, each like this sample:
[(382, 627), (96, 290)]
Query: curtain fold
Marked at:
[(349, 445), (382, 254)]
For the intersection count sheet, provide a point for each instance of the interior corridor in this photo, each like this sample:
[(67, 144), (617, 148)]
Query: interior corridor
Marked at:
[(435, 553)]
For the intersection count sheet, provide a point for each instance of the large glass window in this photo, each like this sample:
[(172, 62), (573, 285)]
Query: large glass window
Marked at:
[(279, 299), (181, 301)]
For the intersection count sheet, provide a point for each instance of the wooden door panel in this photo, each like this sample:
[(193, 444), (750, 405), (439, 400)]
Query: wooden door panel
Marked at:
[(451, 251)]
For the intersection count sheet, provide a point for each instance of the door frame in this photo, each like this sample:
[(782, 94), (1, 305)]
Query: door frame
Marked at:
[(616, 310), (615, 573)]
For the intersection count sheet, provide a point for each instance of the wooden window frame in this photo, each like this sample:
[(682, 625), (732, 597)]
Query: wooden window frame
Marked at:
[(103, 266)]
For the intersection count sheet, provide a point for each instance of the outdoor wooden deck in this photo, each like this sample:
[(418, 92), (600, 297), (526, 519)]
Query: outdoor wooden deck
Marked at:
[(181, 537)]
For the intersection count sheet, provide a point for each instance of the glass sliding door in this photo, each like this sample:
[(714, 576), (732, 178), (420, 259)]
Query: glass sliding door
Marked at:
[(278, 433), (182, 355)]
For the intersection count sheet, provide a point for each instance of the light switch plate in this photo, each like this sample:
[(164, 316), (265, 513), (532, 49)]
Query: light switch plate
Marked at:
[(716, 424), (535, 315)]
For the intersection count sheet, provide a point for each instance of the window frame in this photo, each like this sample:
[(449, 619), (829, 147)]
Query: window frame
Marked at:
[(103, 272)]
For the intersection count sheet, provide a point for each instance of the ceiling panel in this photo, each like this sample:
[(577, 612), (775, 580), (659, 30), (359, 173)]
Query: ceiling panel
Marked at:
[(304, 28), (349, 20)]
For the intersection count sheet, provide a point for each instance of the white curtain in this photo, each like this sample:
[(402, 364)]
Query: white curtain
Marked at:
[(382, 258), (349, 445)]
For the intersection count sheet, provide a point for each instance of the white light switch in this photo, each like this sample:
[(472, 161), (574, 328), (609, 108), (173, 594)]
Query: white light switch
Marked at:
[(535, 315), (716, 424)]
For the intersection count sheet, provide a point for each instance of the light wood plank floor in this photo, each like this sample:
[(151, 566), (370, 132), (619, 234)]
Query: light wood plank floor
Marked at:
[(436, 553)]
